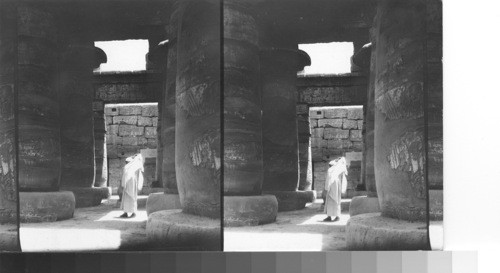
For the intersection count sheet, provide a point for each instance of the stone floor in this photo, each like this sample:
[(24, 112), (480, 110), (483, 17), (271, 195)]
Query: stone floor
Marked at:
[(100, 229), (301, 230), (91, 229)]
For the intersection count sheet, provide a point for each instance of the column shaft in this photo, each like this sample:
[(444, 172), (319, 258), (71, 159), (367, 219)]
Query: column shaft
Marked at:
[(279, 126), (8, 150), (77, 120), (399, 110), (169, 179), (197, 127)]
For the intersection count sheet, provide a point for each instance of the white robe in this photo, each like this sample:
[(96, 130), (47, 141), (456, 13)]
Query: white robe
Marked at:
[(335, 185), (132, 181)]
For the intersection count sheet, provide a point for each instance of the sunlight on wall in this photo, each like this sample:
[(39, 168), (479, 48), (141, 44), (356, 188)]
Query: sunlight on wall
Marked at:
[(328, 58), (127, 55)]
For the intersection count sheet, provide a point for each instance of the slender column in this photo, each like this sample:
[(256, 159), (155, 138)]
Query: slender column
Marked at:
[(8, 118), (279, 127), (77, 124), (101, 158), (305, 160), (434, 89), (368, 203), (169, 179), (39, 121), (169, 198), (243, 202)]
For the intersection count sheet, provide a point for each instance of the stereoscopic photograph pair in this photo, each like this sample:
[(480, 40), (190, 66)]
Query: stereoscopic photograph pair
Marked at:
[(221, 125)]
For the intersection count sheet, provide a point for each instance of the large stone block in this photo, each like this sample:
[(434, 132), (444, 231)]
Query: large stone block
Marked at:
[(350, 124), (313, 122), (360, 124), (174, 230), (357, 146), (132, 120), (355, 135), (150, 111), (130, 140), (126, 151), (130, 110), (114, 163), (317, 142), (339, 144), (363, 204), (317, 132), (112, 151), (144, 121), (250, 210), (89, 197), (150, 132), (335, 133), (162, 201), (112, 129), (152, 143), (46, 206), (291, 200), (370, 231), (155, 121), (111, 111), (335, 123), (130, 130), (355, 113), (109, 120), (336, 113), (316, 114), (114, 140), (316, 153)]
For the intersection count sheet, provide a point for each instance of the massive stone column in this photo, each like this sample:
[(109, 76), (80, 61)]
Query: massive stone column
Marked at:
[(243, 173), (9, 236), (76, 96), (169, 198), (400, 147), (365, 60), (279, 68), (197, 134), (39, 120)]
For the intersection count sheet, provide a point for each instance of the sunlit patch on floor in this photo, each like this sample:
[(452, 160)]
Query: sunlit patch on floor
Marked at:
[(91, 229), (300, 230), (114, 215), (272, 241), (72, 239)]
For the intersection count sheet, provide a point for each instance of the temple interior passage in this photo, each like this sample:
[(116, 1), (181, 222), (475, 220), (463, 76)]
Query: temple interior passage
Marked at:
[(233, 116), (356, 80)]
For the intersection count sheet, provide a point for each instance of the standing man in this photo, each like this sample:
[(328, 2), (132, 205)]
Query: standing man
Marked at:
[(132, 181), (335, 185)]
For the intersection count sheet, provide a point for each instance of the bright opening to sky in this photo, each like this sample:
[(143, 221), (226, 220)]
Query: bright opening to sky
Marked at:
[(128, 55), (328, 58)]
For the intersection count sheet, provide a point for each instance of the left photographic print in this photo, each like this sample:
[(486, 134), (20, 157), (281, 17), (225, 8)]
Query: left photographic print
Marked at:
[(110, 124)]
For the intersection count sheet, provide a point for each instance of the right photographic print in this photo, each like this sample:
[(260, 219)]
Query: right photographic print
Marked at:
[(333, 125)]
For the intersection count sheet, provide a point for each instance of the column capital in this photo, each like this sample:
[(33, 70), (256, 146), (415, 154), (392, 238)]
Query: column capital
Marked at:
[(286, 58)]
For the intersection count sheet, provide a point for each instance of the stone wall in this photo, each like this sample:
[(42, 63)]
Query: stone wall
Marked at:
[(130, 129), (336, 131)]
